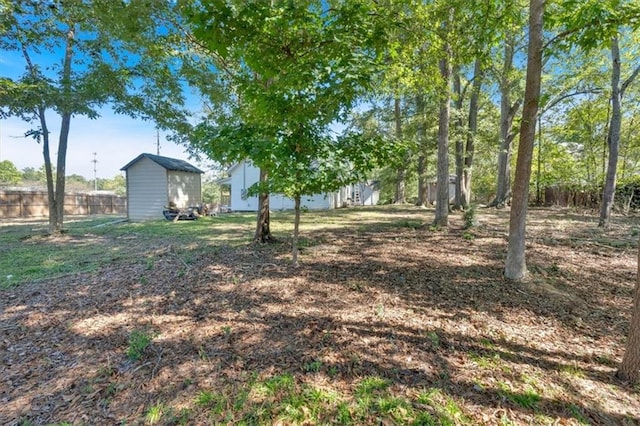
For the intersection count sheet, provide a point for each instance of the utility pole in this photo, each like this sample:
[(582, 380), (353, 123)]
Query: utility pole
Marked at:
[(95, 171), (157, 141)]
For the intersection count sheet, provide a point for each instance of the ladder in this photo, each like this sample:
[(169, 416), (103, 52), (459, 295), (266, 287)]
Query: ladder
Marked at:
[(356, 195)]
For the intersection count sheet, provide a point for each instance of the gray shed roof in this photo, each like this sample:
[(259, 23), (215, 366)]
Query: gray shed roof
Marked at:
[(166, 162)]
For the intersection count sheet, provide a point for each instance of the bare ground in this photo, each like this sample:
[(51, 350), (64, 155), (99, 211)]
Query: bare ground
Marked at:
[(423, 309)]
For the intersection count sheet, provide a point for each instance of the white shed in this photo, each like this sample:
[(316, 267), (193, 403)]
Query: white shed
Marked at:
[(154, 181)]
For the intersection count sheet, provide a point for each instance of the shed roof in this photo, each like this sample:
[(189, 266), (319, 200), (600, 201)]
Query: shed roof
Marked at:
[(166, 162)]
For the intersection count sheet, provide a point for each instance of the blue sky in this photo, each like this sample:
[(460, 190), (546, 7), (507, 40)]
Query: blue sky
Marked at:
[(116, 139)]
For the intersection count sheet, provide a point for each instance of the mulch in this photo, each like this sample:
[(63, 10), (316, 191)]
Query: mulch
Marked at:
[(419, 307)]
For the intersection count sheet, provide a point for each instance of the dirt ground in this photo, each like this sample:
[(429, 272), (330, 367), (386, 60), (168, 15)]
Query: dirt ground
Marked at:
[(421, 308)]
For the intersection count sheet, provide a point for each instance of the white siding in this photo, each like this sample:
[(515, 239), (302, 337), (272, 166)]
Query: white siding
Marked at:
[(184, 189), (146, 190), (243, 176), (313, 202)]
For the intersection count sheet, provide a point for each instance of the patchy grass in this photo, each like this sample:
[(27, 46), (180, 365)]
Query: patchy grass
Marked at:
[(384, 322)]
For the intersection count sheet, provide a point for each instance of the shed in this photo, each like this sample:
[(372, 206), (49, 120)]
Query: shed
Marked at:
[(154, 181)]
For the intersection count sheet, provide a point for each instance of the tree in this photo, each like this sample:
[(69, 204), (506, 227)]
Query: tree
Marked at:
[(508, 111), (589, 26), (9, 174), (30, 174), (294, 68), (615, 124), (515, 265), (442, 186), (76, 61), (117, 184), (630, 366), (401, 197)]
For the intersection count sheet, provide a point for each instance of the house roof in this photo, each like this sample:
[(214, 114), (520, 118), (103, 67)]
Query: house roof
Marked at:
[(166, 162)]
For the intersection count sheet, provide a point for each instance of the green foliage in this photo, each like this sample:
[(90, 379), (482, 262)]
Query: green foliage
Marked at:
[(210, 191), (139, 340), (31, 174), (296, 68), (628, 193), (117, 184), (590, 24), (9, 174), (154, 413), (470, 217), (78, 57)]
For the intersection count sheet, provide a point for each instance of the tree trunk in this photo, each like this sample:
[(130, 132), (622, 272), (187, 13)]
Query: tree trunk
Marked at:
[(630, 367), (51, 196), (471, 133), (515, 265), (422, 157), (263, 228), (57, 221), (61, 172), (442, 190), (401, 197), (613, 140), (296, 228), (457, 89), (507, 114)]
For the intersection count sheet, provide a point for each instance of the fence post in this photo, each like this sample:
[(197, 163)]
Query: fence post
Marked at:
[(21, 202)]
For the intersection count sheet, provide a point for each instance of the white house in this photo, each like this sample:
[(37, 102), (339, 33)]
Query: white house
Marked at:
[(154, 181), (244, 174)]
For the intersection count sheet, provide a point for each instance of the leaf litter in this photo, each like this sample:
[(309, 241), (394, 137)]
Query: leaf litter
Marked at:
[(422, 309)]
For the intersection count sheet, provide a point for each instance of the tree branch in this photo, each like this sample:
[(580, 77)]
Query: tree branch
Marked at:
[(556, 101), (629, 80)]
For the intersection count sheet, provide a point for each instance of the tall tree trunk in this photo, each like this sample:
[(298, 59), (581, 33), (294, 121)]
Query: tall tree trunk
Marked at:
[(296, 230), (630, 367), (471, 133), (442, 190), (539, 165), (613, 139), (48, 170), (515, 265), (401, 197), (422, 157), (263, 225), (57, 221), (507, 114), (457, 89)]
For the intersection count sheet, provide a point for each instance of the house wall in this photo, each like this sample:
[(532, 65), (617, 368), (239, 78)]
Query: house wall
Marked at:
[(245, 174), (369, 195), (312, 202), (146, 190), (185, 189)]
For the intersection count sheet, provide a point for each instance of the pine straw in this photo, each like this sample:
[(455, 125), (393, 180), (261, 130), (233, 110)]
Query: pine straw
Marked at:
[(420, 308)]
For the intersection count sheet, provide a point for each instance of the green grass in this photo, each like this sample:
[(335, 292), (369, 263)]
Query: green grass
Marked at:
[(139, 341), (283, 399), (28, 254)]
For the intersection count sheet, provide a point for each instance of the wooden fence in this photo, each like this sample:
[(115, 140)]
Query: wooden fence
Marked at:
[(25, 204), (565, 197)]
